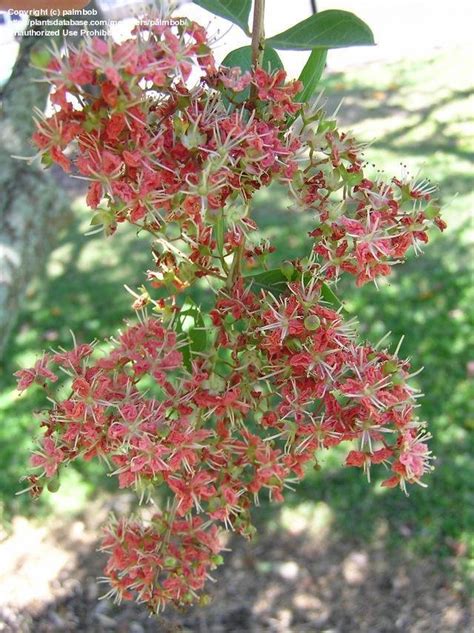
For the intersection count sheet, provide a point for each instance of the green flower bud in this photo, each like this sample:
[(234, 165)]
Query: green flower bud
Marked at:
[(312, 322), (53, 484), (40, 57), (170, 561), (398, 379), (188, 597), (389, 367), (432, 211)]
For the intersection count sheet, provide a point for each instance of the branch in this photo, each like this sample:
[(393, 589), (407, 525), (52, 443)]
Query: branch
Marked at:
[(258, 33), (258, 40)]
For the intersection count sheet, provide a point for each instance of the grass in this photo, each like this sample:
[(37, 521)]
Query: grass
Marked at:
[(419, 113)]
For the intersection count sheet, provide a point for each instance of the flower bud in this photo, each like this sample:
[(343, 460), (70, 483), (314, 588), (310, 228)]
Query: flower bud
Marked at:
[(170, 561), (312, 322), (389, 367), (54, 484), (432, 211), (398, 379)]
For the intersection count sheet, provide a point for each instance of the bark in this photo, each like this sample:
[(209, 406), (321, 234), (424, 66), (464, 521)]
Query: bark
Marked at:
[(32, 206)]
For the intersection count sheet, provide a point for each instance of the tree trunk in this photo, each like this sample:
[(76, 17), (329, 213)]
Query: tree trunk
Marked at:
[(32, 206)]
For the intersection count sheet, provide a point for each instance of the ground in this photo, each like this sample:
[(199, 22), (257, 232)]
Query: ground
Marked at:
[(296, 579), (343, 556)]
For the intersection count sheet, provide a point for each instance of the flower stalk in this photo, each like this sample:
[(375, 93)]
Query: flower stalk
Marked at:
[(258, 48)]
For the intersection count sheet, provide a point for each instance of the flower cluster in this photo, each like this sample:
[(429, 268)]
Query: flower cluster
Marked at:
[(371, 224), (164, 561), (105, 414), (158, 153), (285, 379), (323, 388), (223, 408)]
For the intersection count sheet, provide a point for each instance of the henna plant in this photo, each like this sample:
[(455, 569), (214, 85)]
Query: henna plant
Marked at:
[(221, 408)]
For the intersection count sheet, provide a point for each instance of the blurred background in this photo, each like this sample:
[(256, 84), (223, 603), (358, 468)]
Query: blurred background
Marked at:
[(340, 556)]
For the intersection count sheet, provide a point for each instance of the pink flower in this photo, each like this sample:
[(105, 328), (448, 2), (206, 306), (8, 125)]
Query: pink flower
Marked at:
[(233, 79), (414, 455), (48, 458), (40, 370)]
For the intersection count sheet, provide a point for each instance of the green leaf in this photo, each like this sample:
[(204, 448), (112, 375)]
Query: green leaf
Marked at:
[(311, 73), (331, 297), (273, 280), (190, 323), (242, 57), (40, 57), (276, 282), (237, 11), (219, 228), (327, 29)]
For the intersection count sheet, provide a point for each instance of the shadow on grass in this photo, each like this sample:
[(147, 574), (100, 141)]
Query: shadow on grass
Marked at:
[(82, 292)]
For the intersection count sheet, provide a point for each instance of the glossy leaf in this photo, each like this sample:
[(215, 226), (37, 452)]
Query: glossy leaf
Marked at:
[(331, 297), (276, 282), (237, 11), (311, 73), (327, 29), (242, 57), (273, 280), (190, 323)]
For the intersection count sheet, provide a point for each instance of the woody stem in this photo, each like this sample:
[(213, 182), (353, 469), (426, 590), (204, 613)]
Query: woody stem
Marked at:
[(258, 47), (258, 40)]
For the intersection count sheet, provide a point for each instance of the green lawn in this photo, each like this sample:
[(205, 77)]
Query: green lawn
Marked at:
[(419, 115)]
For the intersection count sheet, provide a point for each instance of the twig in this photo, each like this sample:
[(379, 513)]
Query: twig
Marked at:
[(258, 40)]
